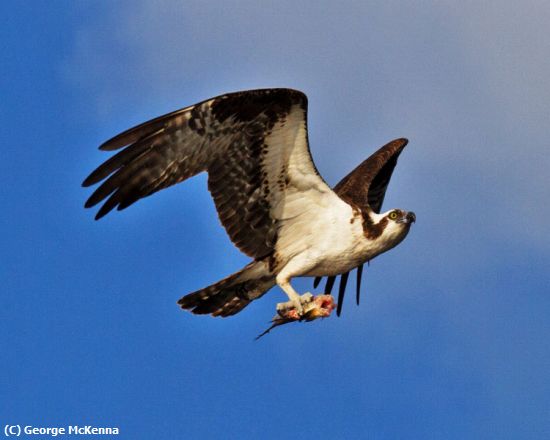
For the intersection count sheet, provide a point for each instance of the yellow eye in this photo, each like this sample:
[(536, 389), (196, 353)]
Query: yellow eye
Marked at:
[(393, 215)]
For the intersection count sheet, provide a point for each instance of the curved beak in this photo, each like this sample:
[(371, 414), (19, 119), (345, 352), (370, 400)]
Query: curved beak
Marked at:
[(408, 218)]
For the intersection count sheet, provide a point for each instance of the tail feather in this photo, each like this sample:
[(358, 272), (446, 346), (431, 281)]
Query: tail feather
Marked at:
[(222, 304), (232, 294)]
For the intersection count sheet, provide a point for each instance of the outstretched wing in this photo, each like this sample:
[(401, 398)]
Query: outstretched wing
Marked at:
[(253, 145), (365, 187)]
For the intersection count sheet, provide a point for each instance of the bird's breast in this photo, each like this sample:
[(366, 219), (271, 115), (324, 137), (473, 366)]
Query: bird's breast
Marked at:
[(328, 245)]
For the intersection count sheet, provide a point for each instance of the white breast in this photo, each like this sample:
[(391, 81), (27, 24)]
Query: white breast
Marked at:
[(324, 241)]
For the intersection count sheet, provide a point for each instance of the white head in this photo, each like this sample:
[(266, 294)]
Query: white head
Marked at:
[(389, 228)]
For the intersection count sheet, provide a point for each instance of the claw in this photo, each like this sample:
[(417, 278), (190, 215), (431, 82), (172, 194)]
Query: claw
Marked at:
[(297, 306), (312, 308)]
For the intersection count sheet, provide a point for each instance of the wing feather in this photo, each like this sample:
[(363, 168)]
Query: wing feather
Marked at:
[(341, 292), (121, 159), (358, 284), (366, 185), (253, 145), (141, 131), (329, 285)]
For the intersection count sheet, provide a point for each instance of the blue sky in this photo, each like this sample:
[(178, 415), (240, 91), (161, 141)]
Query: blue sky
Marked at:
[(451, 338)]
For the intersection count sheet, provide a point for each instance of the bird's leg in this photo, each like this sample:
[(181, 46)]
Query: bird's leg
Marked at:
[(296, 301)]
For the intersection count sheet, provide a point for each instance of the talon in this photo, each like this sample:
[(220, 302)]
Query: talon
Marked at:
[(306, 307), (297, 304), (295, 307), (315, 307), (290, 309), (322, 307)]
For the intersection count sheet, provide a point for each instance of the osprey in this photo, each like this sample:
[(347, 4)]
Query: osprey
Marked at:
[(269, 196)]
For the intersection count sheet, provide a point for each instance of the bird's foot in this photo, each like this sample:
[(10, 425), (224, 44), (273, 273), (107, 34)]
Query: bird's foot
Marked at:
[(313, 307), (306, 307), (296, 307), (321, 307)]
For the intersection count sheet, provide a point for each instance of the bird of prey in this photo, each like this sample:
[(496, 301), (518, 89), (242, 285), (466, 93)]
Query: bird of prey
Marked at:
[(269, 196)]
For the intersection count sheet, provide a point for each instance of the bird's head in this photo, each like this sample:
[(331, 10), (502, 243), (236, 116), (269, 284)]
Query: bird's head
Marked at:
[(400, 217), (391, 227), (398, 222)]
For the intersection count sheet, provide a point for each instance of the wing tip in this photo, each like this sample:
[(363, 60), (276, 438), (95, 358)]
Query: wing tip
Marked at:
[(88, 181), (102, 212), (111, 145), (401, 141)]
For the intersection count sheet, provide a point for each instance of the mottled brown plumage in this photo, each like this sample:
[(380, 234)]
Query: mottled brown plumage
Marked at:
[(224, 136), (254, 147)]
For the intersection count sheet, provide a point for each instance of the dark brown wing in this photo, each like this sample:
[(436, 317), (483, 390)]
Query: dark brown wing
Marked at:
[(365, 187), (243, 140)]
